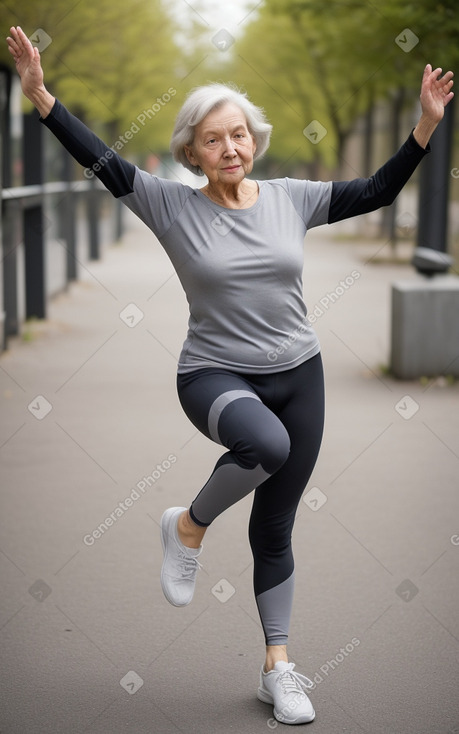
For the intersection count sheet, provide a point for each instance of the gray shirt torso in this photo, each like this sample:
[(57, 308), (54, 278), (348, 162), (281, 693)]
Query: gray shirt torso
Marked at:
[(241, 269)]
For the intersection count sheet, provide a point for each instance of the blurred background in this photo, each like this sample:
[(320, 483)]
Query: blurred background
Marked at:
[(88, 403)]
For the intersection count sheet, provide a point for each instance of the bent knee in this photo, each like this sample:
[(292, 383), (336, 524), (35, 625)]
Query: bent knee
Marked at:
[(274, 449), (255, 434)]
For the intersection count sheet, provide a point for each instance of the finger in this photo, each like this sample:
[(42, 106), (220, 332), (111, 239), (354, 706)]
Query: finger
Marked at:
[(11, 41), (22, 40), (444, 89), (15, 35), (12, 45), (16, 40), (446, 78), (448, 98), (13, 53), (434, 75), (430, 76)]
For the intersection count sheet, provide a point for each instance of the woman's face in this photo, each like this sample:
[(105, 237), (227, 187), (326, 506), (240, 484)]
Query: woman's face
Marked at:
[(223, 147)]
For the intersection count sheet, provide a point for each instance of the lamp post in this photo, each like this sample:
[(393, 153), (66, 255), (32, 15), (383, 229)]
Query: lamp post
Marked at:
[(430, 256)]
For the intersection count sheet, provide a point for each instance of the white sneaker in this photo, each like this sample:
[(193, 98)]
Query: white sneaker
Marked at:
[(180, 564), (286, 690)]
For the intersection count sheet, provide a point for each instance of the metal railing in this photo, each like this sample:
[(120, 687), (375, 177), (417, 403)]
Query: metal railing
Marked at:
[(48, 231), (33, 219)]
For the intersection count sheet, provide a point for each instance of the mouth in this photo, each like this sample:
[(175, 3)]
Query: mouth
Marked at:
[(232, 168)]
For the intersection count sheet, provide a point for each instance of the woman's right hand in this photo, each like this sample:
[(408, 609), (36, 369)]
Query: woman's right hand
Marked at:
[(27, 59), (28, 65)]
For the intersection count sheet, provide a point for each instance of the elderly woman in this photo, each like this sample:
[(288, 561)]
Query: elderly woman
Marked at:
[(249, 374)]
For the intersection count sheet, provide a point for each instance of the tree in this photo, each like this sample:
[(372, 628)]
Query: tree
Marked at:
[(310, 64), (108, 61), (308, 60)]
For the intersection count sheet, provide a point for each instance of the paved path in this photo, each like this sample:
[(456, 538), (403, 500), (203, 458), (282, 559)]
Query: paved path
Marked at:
[(376, 540)]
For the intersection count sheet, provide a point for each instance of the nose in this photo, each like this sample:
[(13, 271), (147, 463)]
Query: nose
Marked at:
[(229, 148)]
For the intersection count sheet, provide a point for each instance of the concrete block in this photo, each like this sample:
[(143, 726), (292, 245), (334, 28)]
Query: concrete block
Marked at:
[(425, 327)]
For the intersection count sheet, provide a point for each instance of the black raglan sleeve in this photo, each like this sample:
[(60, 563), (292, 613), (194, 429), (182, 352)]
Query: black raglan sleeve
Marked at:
[(116, 174), (363, 195)]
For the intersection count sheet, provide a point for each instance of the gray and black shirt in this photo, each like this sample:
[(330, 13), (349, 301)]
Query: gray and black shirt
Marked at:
[(241, 269)]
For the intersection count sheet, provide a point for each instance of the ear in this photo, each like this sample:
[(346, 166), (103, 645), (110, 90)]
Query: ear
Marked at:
[(190, 155), (254, 143)]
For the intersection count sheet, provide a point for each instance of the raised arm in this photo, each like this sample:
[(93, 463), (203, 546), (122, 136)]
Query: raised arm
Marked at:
[(90, 151), (28, 66), (360, 196), (435, 95)]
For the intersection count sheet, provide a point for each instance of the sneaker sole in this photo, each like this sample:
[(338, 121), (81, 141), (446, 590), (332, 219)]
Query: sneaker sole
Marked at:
[(266, 697)]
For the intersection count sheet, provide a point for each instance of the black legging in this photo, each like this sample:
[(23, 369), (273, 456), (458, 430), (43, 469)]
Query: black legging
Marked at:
[(272, 425)]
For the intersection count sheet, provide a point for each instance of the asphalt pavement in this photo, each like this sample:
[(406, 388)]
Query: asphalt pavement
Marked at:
[(94, 447)]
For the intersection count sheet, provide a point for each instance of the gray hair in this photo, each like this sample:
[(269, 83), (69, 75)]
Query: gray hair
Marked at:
[(197, 106)]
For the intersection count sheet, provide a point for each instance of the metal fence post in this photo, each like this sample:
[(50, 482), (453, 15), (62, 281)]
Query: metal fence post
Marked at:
[(93, 220), (68, 222), (34, 240), (11, 233), (431, 253), (5, 177), (3, 106)]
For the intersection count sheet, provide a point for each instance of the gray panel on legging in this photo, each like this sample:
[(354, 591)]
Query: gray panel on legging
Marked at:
[(220, 404), (228, 484), (275, 607)]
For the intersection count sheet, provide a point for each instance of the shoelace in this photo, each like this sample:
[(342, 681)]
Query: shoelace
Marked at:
[(188, 565), (294, 682)]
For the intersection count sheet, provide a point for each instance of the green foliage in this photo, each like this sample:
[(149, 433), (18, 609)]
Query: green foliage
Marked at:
[(302, 60), (108, 61), (435, 23), (309, 61), (306, 60)]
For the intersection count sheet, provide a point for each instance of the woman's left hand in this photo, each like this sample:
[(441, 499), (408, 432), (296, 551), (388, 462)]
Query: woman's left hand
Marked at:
[(435, 92)]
